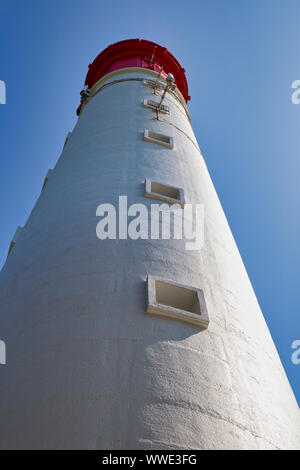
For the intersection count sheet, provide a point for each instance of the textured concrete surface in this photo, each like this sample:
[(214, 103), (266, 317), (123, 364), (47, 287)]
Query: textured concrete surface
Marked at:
[(87, 367)]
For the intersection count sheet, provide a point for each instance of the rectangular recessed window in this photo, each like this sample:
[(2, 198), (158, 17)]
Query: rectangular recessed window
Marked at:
[(170, 299), (164, 192), (156, 138), (67, 139), (46, 178), (11, 246), (14, 240), (154, 105)]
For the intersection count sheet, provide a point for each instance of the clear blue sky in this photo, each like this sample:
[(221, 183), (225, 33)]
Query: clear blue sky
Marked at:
[(240, 57)]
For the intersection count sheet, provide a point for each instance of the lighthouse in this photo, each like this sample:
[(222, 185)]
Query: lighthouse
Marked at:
[(115, 341)]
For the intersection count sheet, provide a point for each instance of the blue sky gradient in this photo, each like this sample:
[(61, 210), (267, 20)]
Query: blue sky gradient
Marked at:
[(240, 59)]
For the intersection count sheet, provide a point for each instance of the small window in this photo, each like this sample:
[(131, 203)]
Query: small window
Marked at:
[(154, 105), (12, 244), (164, 192), (67, 139), (161, 139), (14, 240), (46, 178), (170, 299)]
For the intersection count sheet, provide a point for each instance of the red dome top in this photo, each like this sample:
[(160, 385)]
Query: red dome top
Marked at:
[(137, 53)]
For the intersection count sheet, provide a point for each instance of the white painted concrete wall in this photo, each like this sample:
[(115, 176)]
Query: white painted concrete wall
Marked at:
[(87, 368)]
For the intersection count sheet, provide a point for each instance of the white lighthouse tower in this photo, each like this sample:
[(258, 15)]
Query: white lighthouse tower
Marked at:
[(123, 343)]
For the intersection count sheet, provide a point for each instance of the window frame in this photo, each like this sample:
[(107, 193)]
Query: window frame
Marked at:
[(155, 308)]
